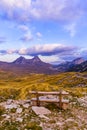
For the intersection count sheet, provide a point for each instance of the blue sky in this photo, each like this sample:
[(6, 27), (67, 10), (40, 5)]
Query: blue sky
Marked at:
[(54, 30)]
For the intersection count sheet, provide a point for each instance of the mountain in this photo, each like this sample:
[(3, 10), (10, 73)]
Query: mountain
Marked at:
[(67, 66), (21, 60), (79, 68), (78, 61), (36, 59), (26, 66), (35, 65)]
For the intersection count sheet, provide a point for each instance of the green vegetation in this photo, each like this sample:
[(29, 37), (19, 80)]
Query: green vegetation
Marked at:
[(2, 110), (33, 126), (18, 87), (9, 126)]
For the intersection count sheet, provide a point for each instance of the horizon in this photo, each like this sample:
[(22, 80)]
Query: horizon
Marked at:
[(53, 30), (43, 60)]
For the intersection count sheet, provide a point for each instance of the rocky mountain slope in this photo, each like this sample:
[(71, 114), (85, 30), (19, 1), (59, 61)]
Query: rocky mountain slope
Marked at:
[(35, 65), (19, 115), (80, 67), (66, 66), (26, 66)]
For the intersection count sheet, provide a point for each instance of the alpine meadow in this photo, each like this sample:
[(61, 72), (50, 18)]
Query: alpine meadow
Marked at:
[(43, 65)]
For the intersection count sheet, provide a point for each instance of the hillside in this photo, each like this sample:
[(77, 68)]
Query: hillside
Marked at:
[(15, 86), (70, 65), (35, 65), (26, 66), (16, 111), (80, 67)]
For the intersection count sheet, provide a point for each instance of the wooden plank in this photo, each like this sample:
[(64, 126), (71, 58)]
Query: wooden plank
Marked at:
[(59, 100), (50, 100), (49, 93)]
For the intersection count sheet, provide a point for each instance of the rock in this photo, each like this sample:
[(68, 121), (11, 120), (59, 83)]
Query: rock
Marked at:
[(26, 105), (40, 110), (19, 119), (11, 106), (27, 101), (9, 101), (59, 123), (6, 116), (19, 110), (83, 101), (43, 116), (69, 120)]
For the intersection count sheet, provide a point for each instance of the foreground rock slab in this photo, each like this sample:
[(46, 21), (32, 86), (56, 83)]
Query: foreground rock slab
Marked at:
[(40, 110)]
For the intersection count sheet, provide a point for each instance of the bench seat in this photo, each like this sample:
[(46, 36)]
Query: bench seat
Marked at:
[(64, 102), (50, 100)]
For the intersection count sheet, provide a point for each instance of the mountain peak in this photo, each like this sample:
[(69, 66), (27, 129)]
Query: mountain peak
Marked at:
[(20, 60), (36, 59), (78, 60), (21, 57)]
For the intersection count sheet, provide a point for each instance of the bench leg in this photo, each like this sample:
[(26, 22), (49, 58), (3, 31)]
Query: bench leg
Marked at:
[(38, 102)]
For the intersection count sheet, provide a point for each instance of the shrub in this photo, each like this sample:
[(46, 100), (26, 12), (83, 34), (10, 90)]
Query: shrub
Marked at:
[(33, 126), (2, 110)]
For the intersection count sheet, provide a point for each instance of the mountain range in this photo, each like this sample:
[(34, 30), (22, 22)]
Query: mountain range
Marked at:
[(35, 65)]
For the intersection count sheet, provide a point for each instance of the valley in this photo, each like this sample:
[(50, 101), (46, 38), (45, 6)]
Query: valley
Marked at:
[(17, 114), (21, 76)]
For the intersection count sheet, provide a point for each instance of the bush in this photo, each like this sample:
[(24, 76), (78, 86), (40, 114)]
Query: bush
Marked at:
[(2, 110), (33, 126)]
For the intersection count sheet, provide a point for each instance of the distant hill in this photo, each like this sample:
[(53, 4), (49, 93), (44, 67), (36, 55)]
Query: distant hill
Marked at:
[(78, 61), (35, 65), (67, 66), (26, 66), (80, 67)]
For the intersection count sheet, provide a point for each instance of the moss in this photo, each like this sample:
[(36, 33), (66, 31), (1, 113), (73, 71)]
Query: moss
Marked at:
[(2, 110), (13, 110), (9, 126), (33, 126), (17, 87)]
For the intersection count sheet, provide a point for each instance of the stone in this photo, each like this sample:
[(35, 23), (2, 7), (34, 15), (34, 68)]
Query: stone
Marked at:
[(11, 106), (6, 116), (40, 110), (26, 105), (19, 119), (9, 101), (19, 110), (43, 116), (59, 123)]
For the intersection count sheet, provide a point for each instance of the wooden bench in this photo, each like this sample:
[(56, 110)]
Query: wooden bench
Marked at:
[(62, 103)]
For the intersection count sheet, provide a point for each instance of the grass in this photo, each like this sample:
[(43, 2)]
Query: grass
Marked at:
[(17, 87)]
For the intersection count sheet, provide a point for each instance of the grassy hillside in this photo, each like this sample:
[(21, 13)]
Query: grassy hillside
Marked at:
[(17, 87)]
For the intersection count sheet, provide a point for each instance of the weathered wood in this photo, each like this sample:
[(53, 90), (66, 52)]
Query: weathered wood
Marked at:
[(60, 99), (62, 102), (51, 100), (49, 93), (37, 97)]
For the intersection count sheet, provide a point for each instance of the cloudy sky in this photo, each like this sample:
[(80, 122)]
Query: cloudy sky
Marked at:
[(55, 30)]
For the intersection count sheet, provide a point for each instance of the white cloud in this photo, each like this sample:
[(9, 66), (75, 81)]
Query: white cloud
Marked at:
[(22, 51), (60, 52), (51, 59), (71, 28), (23, 27), (27, 37), (38, 34), (41, 9), (48, 50)]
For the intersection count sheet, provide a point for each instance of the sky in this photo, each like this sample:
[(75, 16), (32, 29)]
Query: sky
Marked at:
[(55, 30)]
